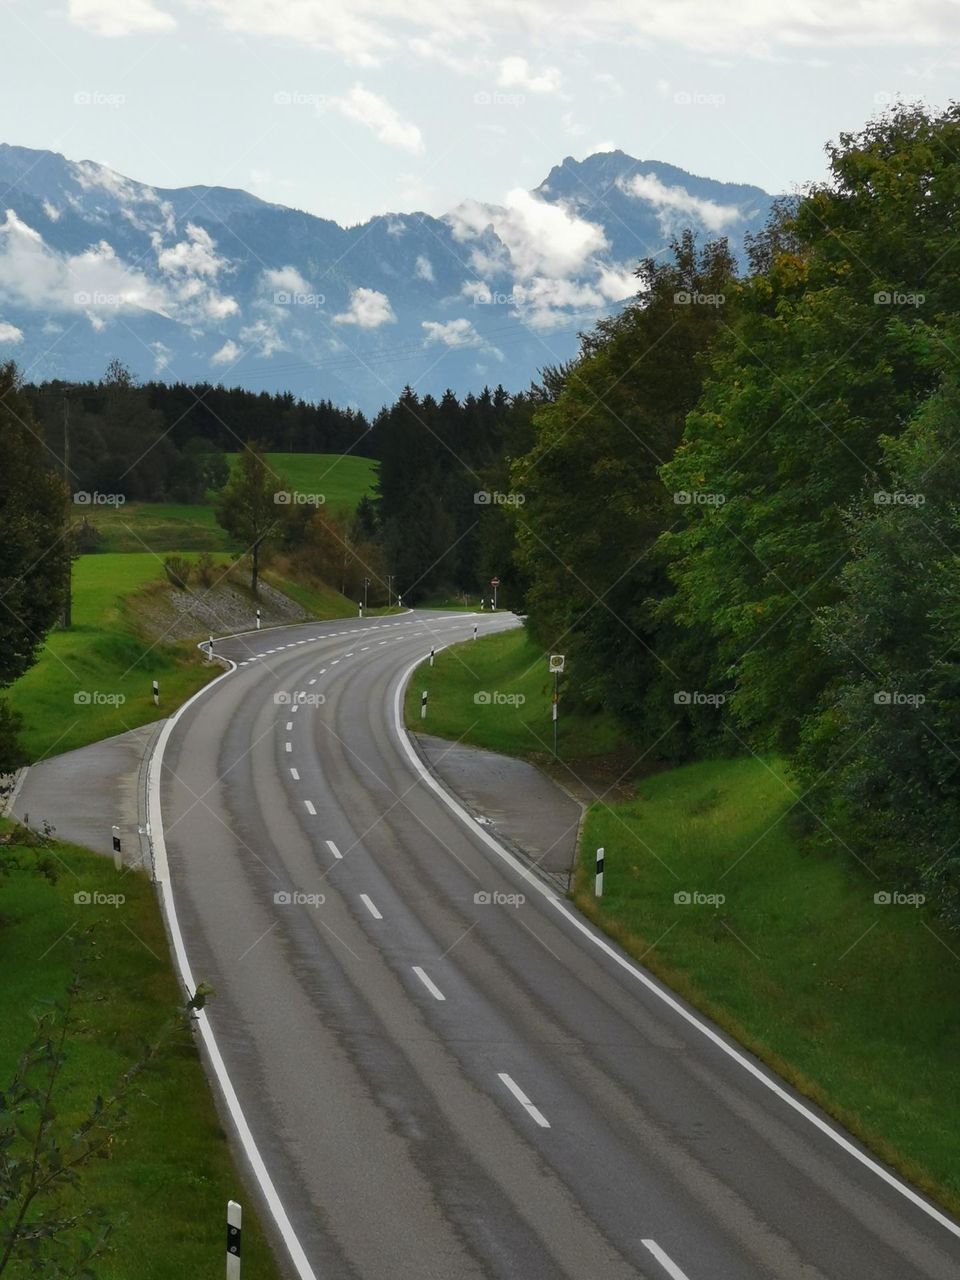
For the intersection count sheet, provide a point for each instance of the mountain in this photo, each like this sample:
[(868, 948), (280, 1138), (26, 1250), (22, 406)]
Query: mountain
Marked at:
[(212, 283)]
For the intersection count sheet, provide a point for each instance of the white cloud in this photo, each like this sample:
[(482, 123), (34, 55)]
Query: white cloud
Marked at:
[(516, 73), (227, 354), (540, 238), (455, 333), (10, 333), (195, 256), (264, 336), (51, 210), (383, 120), (285, 279), (678, 200), (368, 309), (424, 268), (119, 17)]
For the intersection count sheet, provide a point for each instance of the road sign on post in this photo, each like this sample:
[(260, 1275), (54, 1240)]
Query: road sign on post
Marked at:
[(556, 664), (494, 582), (234, 1222)]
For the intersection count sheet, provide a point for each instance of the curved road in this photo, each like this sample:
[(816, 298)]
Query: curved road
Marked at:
[(446, 1087)]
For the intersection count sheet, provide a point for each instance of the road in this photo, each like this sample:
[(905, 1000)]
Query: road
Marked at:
[(441, 1086)]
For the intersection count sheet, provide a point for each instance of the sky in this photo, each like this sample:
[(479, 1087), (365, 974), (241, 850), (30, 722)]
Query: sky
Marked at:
[(347, 108)]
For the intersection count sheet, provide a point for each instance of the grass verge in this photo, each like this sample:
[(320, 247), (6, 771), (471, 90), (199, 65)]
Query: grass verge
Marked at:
[(104, 661), (171, 1171), (851, 1000), (496, 692)]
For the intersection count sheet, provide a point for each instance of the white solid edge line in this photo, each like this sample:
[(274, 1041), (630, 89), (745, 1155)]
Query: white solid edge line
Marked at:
[(668, 1264), (370, 907), (524, 1101), (162, 875), (429, 983), (310, 809), (333, 849), (660, 992)]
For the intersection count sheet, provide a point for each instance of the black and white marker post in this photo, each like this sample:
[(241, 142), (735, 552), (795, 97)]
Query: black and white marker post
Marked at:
[(258, 619), (423, 705), (156, 693), (474, 631), (598, 883), (432, 652), (234, 1218), (117, 851)]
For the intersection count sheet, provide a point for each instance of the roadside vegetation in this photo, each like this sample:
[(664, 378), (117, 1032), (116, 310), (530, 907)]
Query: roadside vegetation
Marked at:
[(780, 940), (164, 1171)]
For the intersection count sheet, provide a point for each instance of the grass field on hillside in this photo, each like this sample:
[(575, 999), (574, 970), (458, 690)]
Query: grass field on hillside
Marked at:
[(168, 526), (103, 661), (496, 692), (851, 999), (170, 1173), (343, 479)]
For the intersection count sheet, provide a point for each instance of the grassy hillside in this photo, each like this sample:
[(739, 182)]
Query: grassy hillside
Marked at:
[(343, 479), (497, 693), (170, 1172), (168, 526), (850, 998), (102, 659)]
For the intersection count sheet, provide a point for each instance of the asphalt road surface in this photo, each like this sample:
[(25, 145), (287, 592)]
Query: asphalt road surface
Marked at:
[(442, 1081)]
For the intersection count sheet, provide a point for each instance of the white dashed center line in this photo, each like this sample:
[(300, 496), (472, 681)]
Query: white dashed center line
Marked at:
[(288, 746), (669, 1266), (333, 849), (310, 809), (370, 907), (524, 1101), (429, 983), (289, 725), (295, 775)]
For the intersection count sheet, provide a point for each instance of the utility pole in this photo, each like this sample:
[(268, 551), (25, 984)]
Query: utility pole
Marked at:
[(366, 587), (390, 578)]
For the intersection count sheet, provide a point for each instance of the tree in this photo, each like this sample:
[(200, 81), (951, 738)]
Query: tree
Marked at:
[(34, 553), (594, 504), (248, 506)]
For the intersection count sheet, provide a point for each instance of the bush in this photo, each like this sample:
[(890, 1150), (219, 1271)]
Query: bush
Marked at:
[(178, 571), (207, 570)]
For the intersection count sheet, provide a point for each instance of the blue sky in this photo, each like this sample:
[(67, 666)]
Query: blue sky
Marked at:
[(351, 107)]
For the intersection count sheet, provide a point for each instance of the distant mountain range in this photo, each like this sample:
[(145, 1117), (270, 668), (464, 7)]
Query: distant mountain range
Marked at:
[(214, 284)]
